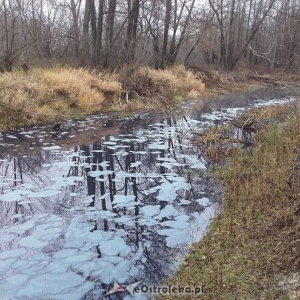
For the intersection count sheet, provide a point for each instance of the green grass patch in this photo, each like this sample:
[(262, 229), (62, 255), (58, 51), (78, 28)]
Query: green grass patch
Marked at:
[(254, 243)]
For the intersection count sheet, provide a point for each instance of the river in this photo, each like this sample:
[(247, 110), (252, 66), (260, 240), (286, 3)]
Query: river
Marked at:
[(108, 199)]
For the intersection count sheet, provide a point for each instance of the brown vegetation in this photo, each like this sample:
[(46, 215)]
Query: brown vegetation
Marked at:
[(160, 89), (252, 248), (46, 95)]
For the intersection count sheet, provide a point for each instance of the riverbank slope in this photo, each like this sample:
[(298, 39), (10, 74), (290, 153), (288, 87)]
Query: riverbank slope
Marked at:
[(51, 95), (56, 94), (251, 250)]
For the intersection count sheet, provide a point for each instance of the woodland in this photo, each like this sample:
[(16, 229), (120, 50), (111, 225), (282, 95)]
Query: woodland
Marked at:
[(101, 34)]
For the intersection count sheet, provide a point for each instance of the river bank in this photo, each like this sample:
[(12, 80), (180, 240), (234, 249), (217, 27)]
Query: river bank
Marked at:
[(251, 249), (54, 95)]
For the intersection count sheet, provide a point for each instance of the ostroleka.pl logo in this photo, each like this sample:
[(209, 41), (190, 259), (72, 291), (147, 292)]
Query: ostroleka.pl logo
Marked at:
[(130, 288), (136, 287)]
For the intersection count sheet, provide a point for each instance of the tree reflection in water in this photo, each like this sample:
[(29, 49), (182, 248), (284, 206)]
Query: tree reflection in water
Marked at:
[(121, 208)]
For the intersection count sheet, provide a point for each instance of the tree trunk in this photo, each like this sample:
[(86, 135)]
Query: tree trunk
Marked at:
[(85, 30), (174, 47), (98, 45), (93, 24), (76, 29), (109, 31), (219, 15), (130, 42), (166, 33), (255, 29), (229, 54)]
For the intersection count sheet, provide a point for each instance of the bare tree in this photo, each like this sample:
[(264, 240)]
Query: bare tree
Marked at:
[(132, 27), (85, 29), (230, 56), (98, 43), (75, 9), (109, 34), (110, 24), (166, 33), (14, 42), (180, 20)]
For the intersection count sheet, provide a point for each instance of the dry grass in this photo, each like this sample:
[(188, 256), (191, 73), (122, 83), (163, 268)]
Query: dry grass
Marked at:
[(222, 82), (161, 88), (254, 242), (45, 95), (267, 115)]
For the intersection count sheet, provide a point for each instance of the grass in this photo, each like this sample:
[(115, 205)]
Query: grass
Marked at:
[(48, 95), (161, 89), (253, 244), (57, 93)]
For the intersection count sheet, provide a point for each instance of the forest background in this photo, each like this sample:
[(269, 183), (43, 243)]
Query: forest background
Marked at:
[(224, 34)]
